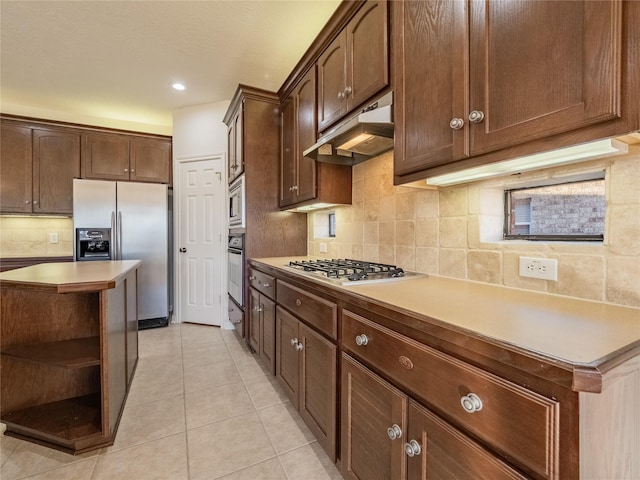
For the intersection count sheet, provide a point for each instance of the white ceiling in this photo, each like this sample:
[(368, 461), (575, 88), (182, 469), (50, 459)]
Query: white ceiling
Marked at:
[(117, 60)]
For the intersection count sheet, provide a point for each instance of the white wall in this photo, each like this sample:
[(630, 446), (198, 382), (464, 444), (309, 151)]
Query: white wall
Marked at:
[(199, 132)]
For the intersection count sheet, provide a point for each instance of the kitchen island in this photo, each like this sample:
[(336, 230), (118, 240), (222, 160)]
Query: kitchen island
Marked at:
[(69, 348), (504, 383)]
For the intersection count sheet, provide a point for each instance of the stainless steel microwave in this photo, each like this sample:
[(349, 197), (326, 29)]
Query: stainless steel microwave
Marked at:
[(236, 203)]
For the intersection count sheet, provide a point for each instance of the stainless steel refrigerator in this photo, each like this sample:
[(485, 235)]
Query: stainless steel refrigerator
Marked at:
[(137, 214)]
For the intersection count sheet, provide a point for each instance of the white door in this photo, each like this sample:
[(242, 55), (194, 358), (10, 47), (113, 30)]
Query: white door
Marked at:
[(201, 241)]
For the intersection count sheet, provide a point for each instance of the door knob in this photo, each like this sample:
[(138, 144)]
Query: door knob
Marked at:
[(476, 116), (183, 250)]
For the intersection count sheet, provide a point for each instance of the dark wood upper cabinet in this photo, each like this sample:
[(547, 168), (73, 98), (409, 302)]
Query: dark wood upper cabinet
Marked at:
[(149, 160), (235, 161), (38, 168), (355, 66), (297, 172), (107, 156), (56, 162), (302, 179), (16, 169), (508, 79)]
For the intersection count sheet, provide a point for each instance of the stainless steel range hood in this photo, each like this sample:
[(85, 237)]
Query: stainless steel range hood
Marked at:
[(364, 135)]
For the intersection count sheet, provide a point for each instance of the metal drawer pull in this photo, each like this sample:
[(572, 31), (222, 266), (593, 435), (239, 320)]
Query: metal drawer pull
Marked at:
[(476, 116), (294, 342), (361, 340), (412, 448), (471, 403), (456, 123), (394, 431), (298, 302)]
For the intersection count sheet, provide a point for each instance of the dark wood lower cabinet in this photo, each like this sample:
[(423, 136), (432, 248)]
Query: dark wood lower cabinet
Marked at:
[(306, 367), (370, 407), (388, 436)]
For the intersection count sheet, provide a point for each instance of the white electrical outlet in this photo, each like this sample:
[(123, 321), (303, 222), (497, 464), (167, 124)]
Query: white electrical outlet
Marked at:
[(323, 248), (544, 268), (53, 237)]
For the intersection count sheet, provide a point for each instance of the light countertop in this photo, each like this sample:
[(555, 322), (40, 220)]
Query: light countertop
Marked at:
[(66, 277), (578, 332)]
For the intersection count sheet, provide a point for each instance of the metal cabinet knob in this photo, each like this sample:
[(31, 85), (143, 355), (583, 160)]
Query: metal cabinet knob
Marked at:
[(294, 188), (340, 95), (471, 403), (265, 284), (251, 277), (294, 342), (347, 91), (234, 167), (412, 448), (476, 116), (299, 346), (456, 123), (257, 309), (132, 170), (35, 202), (362, 340), (182, 250), (298, 302), (126, 170), (27, 202), (394, 431)]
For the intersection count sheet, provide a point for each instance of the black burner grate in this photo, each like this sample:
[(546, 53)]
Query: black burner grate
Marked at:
[(348, 268)]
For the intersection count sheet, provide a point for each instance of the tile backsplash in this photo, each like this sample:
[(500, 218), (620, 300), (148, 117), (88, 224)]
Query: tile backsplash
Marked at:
[(457, 231), (29, 236)]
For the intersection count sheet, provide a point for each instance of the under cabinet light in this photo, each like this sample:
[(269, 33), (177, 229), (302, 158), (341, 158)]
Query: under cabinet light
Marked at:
[(563, 156), (312, 207)]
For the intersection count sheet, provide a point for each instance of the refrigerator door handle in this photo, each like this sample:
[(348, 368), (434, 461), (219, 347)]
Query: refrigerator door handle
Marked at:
[(113, 248), (119, 254)]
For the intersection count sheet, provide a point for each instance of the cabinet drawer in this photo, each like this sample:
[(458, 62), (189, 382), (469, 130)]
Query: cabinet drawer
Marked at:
[(262, 282), (316, 311), (517, 422)]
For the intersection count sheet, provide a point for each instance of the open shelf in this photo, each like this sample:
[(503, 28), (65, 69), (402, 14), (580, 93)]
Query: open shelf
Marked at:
[(73, 353), (66, 420)]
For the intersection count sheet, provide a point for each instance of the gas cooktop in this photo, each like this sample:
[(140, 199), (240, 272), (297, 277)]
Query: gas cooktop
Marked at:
[(348, 272)]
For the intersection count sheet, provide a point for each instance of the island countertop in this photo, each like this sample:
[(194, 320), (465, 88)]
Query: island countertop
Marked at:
[(577, 333), (69, 277)]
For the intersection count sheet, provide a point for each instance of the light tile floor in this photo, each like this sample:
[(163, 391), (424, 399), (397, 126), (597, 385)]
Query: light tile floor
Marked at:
[(201, 407)]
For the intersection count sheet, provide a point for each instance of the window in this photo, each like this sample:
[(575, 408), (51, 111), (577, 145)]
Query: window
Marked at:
[(332, 224), (570, 211)]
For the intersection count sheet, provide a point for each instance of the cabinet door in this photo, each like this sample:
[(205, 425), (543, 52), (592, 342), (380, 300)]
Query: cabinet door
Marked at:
[(288, 154), (431, 92), (150, 160), (253, 335), (16, 174), (368, 53), (541, 68), (444, 452), (370, 406), (318, 377), (105, 157), (235, 139), (268, 332), (56, 162), (287, 357), (306, 123), (332, 81)]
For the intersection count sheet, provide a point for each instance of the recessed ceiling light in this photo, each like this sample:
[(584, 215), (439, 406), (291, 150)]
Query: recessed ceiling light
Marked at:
[(178, 86)]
